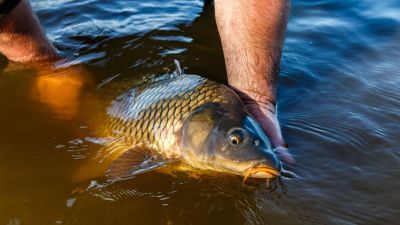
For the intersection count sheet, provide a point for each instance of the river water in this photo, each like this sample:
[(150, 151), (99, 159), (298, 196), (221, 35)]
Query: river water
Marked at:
[(338, 99)]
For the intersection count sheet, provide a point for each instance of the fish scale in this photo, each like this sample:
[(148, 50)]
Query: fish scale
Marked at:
[(152, 114)]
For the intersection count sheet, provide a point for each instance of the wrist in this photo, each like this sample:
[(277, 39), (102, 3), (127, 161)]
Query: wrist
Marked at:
[(256, 93)]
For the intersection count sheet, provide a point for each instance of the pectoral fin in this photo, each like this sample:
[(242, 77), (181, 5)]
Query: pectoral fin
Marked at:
[(135, 161)]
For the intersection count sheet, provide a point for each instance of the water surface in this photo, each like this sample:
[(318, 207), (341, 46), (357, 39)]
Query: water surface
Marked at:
[(339, 101)]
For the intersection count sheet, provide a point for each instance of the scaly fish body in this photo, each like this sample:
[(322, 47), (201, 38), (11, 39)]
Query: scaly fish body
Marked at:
[(153, 115), (191, 119)]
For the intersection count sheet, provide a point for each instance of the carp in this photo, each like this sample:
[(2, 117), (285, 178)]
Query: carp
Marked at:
[(188, 119)]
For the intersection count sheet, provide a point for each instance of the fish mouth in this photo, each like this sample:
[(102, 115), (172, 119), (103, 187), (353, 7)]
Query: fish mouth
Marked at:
[(261, 171)]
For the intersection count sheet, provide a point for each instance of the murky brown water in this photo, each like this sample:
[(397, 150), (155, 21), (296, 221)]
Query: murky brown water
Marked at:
[(338, 103)]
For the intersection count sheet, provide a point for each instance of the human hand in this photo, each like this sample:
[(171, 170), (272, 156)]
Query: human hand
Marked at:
[(61, 90), (265, 114)]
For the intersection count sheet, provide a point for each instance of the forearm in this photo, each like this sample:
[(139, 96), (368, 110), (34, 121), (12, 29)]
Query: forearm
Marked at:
[(22, 38), (252, 34)]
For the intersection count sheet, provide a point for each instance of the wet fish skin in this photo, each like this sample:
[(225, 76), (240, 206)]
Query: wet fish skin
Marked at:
[(154, 114), (191, 119)]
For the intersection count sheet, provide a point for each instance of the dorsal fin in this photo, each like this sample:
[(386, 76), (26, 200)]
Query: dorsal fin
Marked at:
[(178, 70)]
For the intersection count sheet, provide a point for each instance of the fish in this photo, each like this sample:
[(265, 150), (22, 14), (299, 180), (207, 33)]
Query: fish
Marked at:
[(188, 119)]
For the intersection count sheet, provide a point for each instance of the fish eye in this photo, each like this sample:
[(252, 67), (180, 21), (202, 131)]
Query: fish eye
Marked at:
[(236, 136)]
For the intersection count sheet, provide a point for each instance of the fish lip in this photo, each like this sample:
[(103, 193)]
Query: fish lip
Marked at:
[(262, 171)]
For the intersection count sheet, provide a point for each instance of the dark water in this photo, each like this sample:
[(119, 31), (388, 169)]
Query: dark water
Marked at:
[(339, 101)]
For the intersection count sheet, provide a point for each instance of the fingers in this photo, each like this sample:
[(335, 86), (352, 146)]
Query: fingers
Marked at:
[(284, 155), (271, 125), (266, 116), (269, 122)]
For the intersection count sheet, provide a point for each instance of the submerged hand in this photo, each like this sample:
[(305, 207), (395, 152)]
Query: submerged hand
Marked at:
[(265, 114), (61, 89)]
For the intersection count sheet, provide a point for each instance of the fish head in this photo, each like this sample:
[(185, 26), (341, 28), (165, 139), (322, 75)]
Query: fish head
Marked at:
[(227, 139)]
